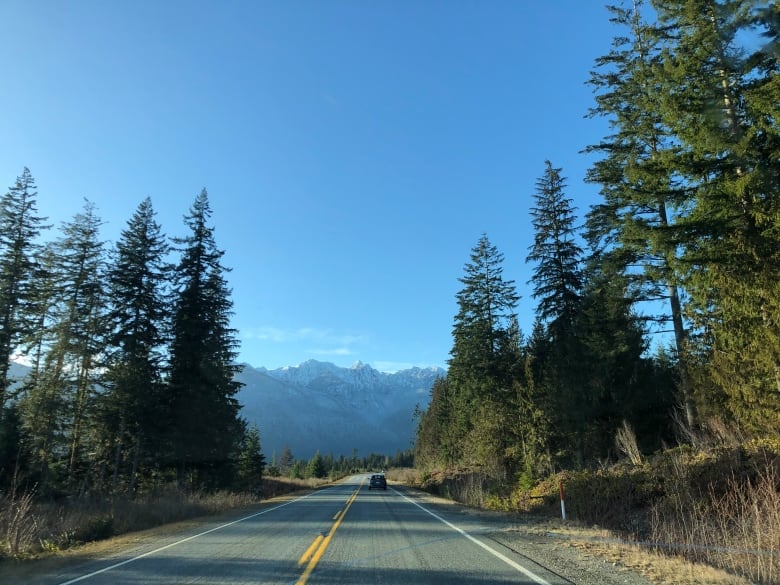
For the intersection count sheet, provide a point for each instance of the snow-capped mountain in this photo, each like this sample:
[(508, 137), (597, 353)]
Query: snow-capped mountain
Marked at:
[(318, 406)]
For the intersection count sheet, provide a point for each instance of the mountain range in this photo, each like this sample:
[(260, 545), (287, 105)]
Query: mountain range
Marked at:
[(317, 406)]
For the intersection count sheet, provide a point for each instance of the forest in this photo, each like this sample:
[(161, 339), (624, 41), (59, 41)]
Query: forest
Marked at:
[(130, 351), (659, 314), (650, 383)]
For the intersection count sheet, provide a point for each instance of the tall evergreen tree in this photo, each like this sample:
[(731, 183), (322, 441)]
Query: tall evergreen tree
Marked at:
[(637, 228), (138, 282), (203, 411), (59, 409), (486, 306), (719, 106), (557, 280), (480, 373), (20, 226)]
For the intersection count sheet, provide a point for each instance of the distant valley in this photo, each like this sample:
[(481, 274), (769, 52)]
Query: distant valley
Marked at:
[(319, 406)]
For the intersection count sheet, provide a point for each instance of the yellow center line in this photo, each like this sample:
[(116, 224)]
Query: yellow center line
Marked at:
[(336, 517), (310, 551), (321, 544)]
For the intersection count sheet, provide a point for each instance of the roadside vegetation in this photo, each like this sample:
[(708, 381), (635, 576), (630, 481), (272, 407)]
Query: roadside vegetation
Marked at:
[(31, 526), (717, 506), (649, 385)]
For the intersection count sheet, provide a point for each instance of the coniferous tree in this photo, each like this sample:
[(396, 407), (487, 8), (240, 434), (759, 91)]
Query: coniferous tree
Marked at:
[(201, 405), (437, 442), (20, 226), (557, 277), (637, 228), (485, 309), (286, 460), (59, 409), (557, 280), (480, 376), (729, 130), (139, 316), (251, 462), (316, 466)]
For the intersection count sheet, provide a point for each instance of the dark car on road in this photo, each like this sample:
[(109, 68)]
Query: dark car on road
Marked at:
[(377, 481)]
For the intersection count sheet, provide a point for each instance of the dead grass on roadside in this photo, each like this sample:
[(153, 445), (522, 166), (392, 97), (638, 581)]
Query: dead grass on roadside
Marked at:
[(32, 529), (658, 568)]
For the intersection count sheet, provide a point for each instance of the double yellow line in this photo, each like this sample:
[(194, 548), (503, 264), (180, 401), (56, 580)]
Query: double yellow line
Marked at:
[(314, 553)]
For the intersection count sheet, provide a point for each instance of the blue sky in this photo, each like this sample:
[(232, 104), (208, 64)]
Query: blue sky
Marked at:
[(353, 151)]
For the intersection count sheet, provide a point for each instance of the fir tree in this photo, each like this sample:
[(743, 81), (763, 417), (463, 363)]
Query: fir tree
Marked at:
[(201, 404), (722, 105), (316, 466), (139, 317), (557, 278), (20, 226), (485, 308), (558, 282), (638, 227), (480, 374), (59, 409), (251, 462)]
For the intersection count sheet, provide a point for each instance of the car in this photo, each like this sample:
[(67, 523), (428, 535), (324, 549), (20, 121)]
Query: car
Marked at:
[(377, 481)]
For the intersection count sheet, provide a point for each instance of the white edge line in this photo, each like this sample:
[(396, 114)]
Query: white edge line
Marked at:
[(183, 540), (518, 567)]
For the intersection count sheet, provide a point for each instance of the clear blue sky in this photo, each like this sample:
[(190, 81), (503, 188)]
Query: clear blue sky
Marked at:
[(353, 151)]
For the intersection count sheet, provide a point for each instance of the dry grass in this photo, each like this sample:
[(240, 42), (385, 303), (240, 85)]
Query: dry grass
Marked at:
[(684, 516), (29, 528), (735, 526), (658, 568)]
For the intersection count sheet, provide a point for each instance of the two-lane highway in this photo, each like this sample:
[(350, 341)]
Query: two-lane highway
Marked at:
[(343, 534)]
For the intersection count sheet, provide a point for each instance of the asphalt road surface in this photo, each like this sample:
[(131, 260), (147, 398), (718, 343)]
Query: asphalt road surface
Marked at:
[(345, 534)]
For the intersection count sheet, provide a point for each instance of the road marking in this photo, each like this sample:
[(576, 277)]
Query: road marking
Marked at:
[(323, 544), (336, 516), (310, 551), (518, 567), (178, 542)]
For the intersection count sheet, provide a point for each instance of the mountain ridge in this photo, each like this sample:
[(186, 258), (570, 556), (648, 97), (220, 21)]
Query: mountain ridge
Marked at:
[(318, 406)]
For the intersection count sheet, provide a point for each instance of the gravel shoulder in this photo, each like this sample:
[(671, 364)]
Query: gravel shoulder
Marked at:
[(586, 555)]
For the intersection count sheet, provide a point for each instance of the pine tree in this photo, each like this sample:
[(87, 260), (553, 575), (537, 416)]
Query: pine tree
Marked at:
[(316, 466), (557, 278), (286, 461), (59, 409), (723, 109), (558, 282), (480, 373), (251, 462), (637, 228), (437, 442), (139, 317), (485, 308), (20, 226), (201, 404)]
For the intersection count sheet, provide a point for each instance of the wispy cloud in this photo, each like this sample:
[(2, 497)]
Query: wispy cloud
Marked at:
[(338, 351), (392, 367), (309, 334)]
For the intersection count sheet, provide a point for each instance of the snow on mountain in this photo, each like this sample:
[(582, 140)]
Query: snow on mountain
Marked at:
[(318, 406)]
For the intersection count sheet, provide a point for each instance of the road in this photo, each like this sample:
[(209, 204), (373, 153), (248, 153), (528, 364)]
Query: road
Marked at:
[(344, 534)]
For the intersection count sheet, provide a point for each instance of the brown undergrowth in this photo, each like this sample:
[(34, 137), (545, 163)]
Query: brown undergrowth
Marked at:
[(29, 527), (716, 507)]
